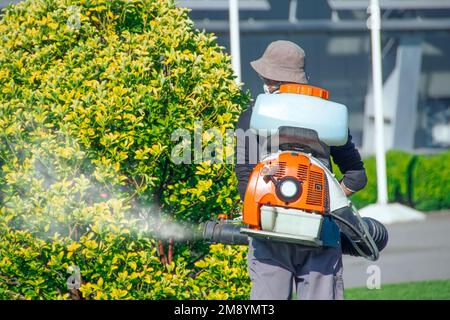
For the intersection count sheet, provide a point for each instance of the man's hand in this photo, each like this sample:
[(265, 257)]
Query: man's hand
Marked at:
[(347, 191)]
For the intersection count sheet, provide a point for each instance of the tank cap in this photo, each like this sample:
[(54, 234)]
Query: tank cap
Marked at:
[(304, 89)]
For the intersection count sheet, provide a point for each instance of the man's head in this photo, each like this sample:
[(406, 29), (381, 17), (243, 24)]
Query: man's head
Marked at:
[(282, 62)]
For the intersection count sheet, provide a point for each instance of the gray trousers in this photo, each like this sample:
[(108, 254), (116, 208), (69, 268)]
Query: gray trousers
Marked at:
[(283, 271)]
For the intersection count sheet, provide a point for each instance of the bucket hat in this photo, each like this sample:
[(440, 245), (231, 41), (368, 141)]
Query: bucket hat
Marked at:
[(282, 61)]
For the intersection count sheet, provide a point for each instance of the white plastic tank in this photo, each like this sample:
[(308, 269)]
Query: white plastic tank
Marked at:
[(329, 119)]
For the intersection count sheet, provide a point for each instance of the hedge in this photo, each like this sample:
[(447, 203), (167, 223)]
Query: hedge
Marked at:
[(419, 181), (430, 184), (90, 93)]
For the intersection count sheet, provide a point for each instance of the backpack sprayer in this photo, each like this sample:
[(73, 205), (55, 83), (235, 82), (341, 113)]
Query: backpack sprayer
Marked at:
[(292, 196)]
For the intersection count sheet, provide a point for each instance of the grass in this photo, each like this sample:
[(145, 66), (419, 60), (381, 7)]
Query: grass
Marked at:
[(424, 290)]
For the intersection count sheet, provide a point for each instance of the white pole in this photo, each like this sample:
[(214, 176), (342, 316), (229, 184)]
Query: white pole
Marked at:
[(234, 39), (375, 26), (293, 11)]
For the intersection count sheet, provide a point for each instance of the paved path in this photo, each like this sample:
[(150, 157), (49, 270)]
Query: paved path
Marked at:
[(416, 251)]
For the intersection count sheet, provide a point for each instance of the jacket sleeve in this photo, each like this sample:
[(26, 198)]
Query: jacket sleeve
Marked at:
[(348, 159), (243, 167)]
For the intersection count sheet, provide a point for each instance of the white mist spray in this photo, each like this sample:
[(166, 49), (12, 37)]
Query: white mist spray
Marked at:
[(62, 199)]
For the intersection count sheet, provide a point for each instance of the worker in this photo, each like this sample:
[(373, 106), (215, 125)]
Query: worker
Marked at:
[(282, 271)]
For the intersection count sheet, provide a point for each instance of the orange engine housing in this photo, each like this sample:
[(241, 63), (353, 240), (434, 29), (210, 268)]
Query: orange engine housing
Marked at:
[(314, 195)]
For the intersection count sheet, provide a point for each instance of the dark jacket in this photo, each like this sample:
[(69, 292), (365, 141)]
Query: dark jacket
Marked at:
[(346, 157)]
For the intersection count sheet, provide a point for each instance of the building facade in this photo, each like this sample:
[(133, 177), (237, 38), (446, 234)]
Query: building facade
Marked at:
[(336, 39)]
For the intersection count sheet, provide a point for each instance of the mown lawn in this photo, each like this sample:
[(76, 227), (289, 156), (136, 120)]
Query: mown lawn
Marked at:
[(424, 290)]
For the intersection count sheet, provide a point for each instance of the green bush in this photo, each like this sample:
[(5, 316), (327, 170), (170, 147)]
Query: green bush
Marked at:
[(225, 269), (415, 180), (397, 179), (431, 182), (91, 92)]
